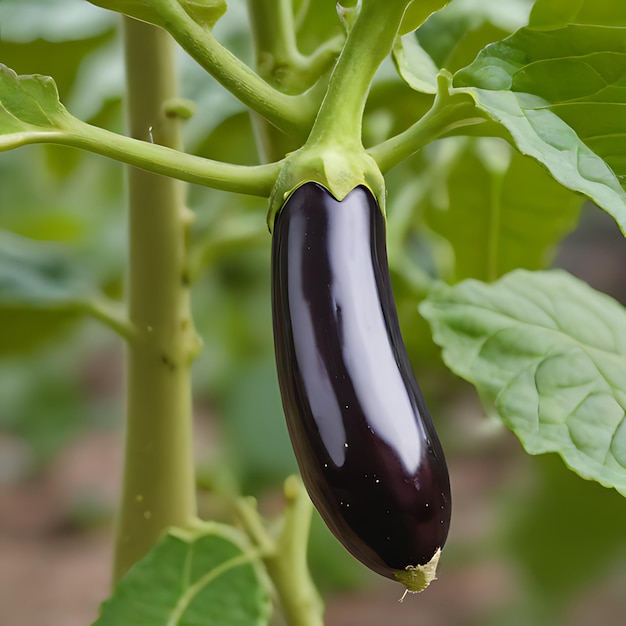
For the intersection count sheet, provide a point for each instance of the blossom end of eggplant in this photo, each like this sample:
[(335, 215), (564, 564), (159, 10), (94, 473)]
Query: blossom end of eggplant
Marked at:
[(417, 578)]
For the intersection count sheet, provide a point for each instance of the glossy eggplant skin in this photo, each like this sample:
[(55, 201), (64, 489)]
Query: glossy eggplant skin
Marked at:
[(363, 438)]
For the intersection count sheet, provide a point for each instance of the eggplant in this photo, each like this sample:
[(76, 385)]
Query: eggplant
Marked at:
[(363, 438)]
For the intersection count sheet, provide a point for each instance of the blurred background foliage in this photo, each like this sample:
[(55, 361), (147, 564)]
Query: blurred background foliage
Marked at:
[(559, 540)]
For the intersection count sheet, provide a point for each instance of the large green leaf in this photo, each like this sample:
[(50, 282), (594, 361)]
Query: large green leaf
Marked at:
[(42, 291), (453, 36), (497, 209), (205, 577), (550, 353), (558, 13), (38, 274), (561, 94)]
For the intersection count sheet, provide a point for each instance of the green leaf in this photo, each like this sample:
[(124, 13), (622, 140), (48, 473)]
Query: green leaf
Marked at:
[(205, 577), (61, 21), (565, 534), (42, 291), (417, 12), (29, 106), (561, 94), (38, 274), (316, 23), (414, 65), (453, 36), (497, 209), (30, 112), (205, 12), (550, 353), (24, 329), (557, 13)]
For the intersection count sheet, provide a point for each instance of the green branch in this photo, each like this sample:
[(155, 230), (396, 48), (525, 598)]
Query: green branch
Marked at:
[(228, 236), (255, 180), (31, 112), (449, 112), (279, 61), (110, 313), (288, 567), (282, 65), (292, 114), (286, 557)]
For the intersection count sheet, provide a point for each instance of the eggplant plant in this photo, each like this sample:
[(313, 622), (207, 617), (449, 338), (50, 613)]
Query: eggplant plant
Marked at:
[(463, 143)]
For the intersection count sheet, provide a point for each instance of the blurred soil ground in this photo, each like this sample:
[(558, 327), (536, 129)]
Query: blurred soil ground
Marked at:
[(55, 559)]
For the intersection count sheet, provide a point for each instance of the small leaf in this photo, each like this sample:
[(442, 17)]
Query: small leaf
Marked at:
[(417, 12), (560, 95), (414, 65), (205, 12), (550, 353), (204, 577), (29, 106)]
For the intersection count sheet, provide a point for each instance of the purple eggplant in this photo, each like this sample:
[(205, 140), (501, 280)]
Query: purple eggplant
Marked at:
[(363, 438)]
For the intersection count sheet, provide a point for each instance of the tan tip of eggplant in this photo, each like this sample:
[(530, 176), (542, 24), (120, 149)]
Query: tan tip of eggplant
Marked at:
[(417, 578)]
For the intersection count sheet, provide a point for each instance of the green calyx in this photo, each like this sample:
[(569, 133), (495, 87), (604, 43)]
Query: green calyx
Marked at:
[(333, 166), (417, 578)]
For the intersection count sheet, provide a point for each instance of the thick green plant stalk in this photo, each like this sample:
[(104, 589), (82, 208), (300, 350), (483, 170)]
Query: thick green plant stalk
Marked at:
[(293, 114), (285, 555), (158, 484)]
